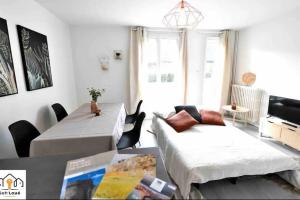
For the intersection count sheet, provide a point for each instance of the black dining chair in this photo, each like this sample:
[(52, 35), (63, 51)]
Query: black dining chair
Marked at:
[(60, 111), (130, 119), (23, 132), (130, 138)]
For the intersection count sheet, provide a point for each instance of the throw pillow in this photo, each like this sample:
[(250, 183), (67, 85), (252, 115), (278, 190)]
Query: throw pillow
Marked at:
[(181, 121), (192, 110), (211, 117)]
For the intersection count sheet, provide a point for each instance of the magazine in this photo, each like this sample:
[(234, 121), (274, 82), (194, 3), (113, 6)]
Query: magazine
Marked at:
[(124, 174), (82, 186), (152, 188), (82, 176), (114, 176)]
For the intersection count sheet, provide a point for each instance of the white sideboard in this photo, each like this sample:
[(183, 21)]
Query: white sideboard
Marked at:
[(276, 129)]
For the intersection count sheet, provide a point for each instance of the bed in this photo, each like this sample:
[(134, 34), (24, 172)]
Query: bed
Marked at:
[(206, 152)]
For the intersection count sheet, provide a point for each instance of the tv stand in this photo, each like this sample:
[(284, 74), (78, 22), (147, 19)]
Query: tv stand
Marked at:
[(288, 124), (281, 131)]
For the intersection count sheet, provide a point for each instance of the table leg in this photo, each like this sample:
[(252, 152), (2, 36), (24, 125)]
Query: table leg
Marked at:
[(233, 119), (246, 119)]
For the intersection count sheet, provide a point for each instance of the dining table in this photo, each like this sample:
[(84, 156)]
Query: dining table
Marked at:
[(83, 132)]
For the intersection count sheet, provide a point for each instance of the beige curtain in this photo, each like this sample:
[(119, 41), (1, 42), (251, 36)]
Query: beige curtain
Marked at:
[(135, 65), (184, 62), (228, 40)]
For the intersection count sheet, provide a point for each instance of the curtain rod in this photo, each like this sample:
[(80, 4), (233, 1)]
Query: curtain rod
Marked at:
[(178, 30)]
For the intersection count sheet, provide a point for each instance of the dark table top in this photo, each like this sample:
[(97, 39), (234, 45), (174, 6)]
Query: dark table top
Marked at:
[(44, 175)]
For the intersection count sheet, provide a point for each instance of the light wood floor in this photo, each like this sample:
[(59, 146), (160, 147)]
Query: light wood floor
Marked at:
[(258, 187)]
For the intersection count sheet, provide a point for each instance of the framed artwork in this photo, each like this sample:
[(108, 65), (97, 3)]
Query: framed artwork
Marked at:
[(8, 85), (35, 57)]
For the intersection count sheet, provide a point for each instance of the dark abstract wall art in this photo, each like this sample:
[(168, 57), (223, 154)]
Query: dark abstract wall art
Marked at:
[(35, 57), (8, 85)]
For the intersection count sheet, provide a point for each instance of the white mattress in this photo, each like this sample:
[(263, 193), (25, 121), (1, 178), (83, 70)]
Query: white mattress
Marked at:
[(205, 153)]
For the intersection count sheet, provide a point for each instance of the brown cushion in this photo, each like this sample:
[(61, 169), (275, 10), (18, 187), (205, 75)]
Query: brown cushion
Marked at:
[(192, 110), (211, 117), (181, 121)]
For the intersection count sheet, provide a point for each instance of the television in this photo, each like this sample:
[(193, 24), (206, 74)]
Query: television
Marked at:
[(285, 109)]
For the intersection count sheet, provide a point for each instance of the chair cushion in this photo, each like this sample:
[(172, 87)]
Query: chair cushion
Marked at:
[(211, 117), (181, 121), (192, 110)]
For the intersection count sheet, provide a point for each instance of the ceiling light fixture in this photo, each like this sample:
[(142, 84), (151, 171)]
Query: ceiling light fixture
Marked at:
[(183, 15)]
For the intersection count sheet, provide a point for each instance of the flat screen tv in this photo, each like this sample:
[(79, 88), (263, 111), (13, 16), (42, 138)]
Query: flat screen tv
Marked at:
[(284, 108)]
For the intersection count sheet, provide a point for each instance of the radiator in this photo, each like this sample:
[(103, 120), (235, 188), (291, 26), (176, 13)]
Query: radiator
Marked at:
[(250, 98)]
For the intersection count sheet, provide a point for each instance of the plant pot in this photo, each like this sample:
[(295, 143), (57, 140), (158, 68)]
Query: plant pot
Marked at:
[(94, 107)]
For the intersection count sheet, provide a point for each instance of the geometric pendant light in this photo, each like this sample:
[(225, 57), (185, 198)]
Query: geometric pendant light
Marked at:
[(183, 15)]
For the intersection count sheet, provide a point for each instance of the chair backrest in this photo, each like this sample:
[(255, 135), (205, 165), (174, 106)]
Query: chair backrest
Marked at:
[(136, 131), (60, 111), (137, 112), (23, 132)]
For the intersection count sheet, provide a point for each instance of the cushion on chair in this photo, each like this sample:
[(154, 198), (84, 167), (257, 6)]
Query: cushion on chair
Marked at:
[(192, 110), (211, 117), (181, 121)]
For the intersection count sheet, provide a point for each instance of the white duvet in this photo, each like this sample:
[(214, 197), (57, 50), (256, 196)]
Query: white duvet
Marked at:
[(204, 153)]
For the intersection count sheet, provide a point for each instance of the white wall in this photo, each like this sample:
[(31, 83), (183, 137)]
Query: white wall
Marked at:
[(272, 51), (34, 106), (90, 43)]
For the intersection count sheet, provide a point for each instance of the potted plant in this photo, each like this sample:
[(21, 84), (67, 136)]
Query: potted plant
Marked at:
[(95, 93)]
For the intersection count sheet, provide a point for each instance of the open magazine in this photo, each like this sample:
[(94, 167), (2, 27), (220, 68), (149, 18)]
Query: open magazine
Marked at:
[(114, 176)]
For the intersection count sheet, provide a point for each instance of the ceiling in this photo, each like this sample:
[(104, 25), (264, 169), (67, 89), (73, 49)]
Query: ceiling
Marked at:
[(219, 14)]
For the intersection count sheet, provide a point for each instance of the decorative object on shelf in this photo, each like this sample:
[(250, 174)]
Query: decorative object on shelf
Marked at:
[(104, 62), (183, 15), (95, 93), (8, 84), (118, 54), (35, 57), (233, 106), (249, 78)]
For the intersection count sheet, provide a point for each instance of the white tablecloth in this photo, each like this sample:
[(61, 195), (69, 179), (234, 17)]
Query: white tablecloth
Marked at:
[(82, 132)]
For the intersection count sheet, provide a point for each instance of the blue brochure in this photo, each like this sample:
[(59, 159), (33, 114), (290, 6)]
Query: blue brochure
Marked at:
[(83, 185)]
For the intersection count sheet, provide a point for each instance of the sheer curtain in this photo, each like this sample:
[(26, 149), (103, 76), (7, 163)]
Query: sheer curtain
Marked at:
[(184, 63), (136, 57), (228, 41)]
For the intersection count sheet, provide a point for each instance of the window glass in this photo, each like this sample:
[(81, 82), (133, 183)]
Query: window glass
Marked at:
[(212, 72), (161, 82)]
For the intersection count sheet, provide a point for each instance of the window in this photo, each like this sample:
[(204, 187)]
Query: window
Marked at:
[(212, 44), (163, 57), (161, 72), (211, 81)]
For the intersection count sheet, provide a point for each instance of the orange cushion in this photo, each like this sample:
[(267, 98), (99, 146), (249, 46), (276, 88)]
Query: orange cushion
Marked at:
[(181, 121), (211, 117)]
